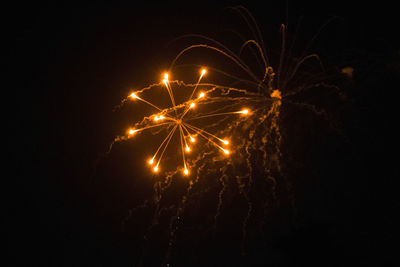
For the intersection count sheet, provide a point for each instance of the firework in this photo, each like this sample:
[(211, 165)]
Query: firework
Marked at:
[(178, 120), (250, 146)]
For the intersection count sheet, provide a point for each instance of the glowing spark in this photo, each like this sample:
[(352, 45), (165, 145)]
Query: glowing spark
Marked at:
[(197, 84), (166, 76), (132, 131), (245, 111), (226, 142), (133, 95), (186, 171), (158, 118), (225, 151), (201, 95), (156, 168), (187, 148), (192, 139), (203, 132), (151, 161), (192, 105)]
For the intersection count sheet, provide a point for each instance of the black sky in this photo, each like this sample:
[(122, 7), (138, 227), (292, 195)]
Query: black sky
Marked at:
[(71, 63)]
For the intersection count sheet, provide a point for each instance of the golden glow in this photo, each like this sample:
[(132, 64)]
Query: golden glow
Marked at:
[(151, 161), (276, 94), (201, 95), (132, 131), (155, 169), (192, 139), (187, 148), (192, 105), (226, 142), (186, 171), (166, 76), (203, 71), (133, 95), (226, 151), (244, 111), (158, 118)]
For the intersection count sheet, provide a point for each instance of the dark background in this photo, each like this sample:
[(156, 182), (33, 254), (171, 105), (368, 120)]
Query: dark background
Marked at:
[(71, 63)]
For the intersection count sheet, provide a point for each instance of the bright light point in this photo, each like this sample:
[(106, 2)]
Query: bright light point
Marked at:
[(155, 169), (157, 118), (165, 81), (192, 140), (201, 95), (187, 149), (166, 76), (244, 111), (225, 142), (226, 151), (186, 172), (131, 131), (203, 71), (133, 95), (151, 161), (192, 105)]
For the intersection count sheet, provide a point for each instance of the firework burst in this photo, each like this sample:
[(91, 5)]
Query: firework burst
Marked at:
[(240, 118), (179, 119)]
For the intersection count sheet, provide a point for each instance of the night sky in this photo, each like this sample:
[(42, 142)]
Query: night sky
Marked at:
[(69, 205)]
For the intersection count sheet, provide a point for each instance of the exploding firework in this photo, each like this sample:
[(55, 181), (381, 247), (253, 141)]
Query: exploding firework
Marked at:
[(240, 119), (180, 119)]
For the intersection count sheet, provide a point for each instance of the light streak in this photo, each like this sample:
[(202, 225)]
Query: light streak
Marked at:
[(199, 131), (132, 131), (135, 96), (244, 111)]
